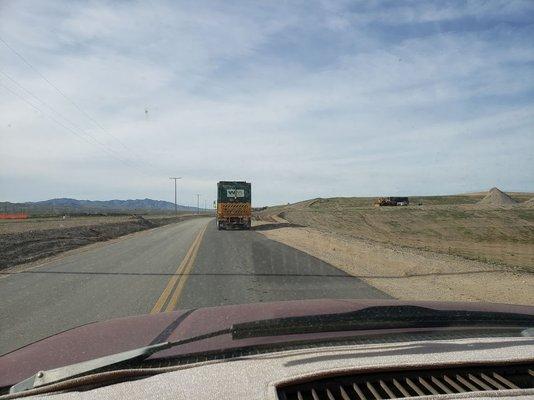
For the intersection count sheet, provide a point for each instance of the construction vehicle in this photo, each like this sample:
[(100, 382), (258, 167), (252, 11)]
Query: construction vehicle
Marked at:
[(233, 205), (391, 201)]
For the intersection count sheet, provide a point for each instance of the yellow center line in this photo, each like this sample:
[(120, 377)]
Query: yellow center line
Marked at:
[(177, 281), (185, 274)]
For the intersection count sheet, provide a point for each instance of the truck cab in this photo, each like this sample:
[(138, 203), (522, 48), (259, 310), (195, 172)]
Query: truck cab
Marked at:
[(234, 205)]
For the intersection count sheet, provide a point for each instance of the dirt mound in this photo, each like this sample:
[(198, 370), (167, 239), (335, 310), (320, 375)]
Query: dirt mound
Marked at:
[(528, 203), (497, 198), (143, 222)]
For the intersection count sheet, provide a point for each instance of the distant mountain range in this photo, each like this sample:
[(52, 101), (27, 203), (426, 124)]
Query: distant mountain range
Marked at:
[(66, 205)]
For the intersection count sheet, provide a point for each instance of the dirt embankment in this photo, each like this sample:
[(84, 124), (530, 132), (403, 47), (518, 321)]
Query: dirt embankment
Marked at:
[(41, 223), (441, 251), (503, 235), (21, 246)]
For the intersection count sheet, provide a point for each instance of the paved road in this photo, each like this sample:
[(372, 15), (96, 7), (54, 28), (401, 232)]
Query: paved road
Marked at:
[(245, 267), (184, 265)]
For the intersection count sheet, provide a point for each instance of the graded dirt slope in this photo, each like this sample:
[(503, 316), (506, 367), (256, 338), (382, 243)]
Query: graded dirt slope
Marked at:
[(502, 235), (21, 246), (448, 248), (59, 222), (529, 203), (42, 223), (495, 197)]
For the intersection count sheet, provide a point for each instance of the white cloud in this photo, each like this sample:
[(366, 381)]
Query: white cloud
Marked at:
[(217, 91)]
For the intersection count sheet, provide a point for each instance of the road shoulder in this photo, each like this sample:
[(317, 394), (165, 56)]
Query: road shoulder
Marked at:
[(408, 273)]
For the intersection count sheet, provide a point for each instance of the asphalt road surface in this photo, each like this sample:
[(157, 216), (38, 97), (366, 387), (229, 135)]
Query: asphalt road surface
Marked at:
[(185, 265)]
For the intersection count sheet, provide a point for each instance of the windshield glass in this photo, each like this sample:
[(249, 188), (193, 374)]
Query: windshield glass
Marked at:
[(168, 156)]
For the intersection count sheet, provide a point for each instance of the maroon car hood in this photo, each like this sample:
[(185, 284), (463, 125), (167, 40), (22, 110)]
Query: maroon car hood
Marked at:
[(117, 335)]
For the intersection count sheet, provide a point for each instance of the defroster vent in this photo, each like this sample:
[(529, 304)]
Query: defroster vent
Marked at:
[(414, 383)]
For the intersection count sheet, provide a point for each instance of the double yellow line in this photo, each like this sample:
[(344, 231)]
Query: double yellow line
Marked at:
[(174, 287)]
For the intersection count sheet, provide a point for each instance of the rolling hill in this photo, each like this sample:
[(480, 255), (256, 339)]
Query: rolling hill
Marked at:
[(67, 205)]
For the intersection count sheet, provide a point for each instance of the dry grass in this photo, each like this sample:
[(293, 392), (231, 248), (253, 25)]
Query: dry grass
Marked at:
[(494, 235)]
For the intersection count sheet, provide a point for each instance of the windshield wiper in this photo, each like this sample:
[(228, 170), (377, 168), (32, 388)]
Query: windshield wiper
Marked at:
[(371, 318), (379, 317), (48, 377)]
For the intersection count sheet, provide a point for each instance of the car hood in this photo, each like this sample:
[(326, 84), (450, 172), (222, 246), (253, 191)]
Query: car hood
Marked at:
[(99, 339)]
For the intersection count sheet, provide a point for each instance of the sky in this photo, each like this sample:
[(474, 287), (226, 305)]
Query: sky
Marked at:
[(107, 100)]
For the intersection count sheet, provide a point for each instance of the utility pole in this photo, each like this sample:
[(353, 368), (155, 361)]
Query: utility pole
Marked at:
[(175, 196), (198, 202)]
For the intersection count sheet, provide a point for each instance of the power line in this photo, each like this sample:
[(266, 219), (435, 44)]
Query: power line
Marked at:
[(40, 112), (57, 113), (86, 114), (61, 116), (69, 129)]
